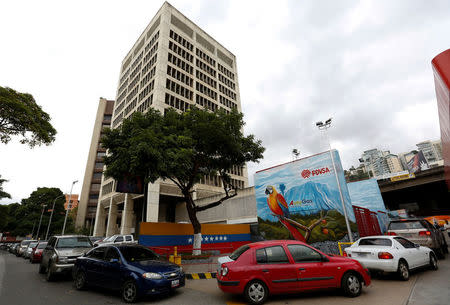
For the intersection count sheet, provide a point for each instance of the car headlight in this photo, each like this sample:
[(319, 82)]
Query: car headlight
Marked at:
[(152, 276), (62, 259), (181, 269)]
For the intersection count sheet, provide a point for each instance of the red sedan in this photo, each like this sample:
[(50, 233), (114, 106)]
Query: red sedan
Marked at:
[(287, 266), (36, 254)]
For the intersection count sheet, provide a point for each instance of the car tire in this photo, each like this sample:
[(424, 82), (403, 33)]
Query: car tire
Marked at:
[(351, 284), (41, 268), (433, 262), (403, 270), (129, 292), (80, 280), (256, 292), (49, 275)]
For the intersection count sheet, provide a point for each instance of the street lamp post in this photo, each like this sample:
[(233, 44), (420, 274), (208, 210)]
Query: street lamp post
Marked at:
[(67, 210), (40, 220), (325, 126), (51, 215)]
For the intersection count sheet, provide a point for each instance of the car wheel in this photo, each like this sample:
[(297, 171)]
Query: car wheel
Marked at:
[(80, 280), (433, 261), (41, 269), (403, 270), (256, 292), (351, 284), (129, 292), (49, 276)]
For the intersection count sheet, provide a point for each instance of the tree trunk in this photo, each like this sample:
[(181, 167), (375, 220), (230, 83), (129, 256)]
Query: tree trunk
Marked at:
[(190, 206)]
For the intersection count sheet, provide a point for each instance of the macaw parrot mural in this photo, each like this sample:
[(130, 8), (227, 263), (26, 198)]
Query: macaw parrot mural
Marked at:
[(280, 209)]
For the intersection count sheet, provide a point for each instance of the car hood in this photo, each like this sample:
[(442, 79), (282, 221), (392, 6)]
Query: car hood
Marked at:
[(72, 251), (155, 266)]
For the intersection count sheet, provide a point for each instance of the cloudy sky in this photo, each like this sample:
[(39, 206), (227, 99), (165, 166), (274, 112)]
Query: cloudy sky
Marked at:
[(366, 64)]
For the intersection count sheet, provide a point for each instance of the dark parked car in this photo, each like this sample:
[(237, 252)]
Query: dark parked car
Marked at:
[(286, 266), (133, 269), (61, 252), (36, 254)]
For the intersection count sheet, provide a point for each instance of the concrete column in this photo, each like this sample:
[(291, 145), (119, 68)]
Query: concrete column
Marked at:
[(100, 217), (112, 218), (152, 202), (127, 215)]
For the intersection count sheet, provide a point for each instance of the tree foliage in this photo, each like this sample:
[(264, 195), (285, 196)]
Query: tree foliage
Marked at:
[(3, 194), (21, 116), (181, 147)]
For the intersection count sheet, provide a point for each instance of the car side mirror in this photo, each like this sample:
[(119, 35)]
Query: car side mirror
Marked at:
[(114, 260)]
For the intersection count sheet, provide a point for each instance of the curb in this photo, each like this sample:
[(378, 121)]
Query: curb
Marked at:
[(201, 276)]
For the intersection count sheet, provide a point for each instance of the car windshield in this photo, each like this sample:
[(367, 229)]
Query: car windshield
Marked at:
[(385, 242), (109, 238), (42, 245), (134, 254), (238, 252), (74, 242), (33, 244), (405, 225)]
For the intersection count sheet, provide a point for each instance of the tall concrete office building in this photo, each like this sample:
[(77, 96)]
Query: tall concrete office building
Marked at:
[(87, 207), (173, 63)]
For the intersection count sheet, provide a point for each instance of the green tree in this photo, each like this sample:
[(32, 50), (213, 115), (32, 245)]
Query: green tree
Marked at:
[(21, 116), (183, 148), (3, 194)]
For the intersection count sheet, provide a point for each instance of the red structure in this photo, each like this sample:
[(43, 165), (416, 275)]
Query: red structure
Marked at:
[(367, 221), (441, 70)]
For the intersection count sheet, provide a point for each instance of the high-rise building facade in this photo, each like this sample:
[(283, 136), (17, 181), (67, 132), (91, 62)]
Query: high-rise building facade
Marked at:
[(379, 163), (174, 63), (90, 189)]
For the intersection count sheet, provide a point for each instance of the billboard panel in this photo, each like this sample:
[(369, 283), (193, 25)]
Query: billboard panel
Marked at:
[(417, 163), (367, 194), (301, 200)]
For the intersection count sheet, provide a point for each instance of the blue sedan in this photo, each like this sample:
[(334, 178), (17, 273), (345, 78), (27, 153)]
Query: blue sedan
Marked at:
[(134, 270)]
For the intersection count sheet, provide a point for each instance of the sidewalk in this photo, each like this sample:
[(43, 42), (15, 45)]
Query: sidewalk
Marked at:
[(432, 287)]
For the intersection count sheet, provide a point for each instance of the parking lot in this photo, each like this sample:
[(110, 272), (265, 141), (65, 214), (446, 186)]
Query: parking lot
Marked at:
[(20, 283)]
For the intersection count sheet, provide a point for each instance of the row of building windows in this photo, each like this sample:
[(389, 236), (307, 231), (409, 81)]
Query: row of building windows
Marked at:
[(145, 104), (176, 102), (121, 98), (117, 120), (178, 89), (136, 61), (226, 81), (181, 41), (205, 67), (238, 184), (236, 170), (107, 188), (97, 176), (150, 54), (135, 71), (148, 77), (225, 71), (180, 63), (134, 82), (124, 77), (205, 90), (180, 51), (200, 100), (124, 86), (151, 42), (227, 92), (179, 76), (216, 181), (95, 187), (205, 57), (226, 102), (146, 90), (149, 64), (130, 107), (132, 93), (206, 79)]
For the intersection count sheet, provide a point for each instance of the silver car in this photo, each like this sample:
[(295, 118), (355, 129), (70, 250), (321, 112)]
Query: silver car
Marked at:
[(61, 253), (23, 246), (29, 249)]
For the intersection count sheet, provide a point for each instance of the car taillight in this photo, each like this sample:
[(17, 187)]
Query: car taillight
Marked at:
[(344, 254), (224, 270), (391, 233), (424, 233), (385, 255)]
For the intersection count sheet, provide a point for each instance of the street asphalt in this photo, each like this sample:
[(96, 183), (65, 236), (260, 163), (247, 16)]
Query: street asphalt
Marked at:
[(20, 283)]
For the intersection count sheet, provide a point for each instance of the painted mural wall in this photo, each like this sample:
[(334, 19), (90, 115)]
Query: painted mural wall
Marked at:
[(300, 200)]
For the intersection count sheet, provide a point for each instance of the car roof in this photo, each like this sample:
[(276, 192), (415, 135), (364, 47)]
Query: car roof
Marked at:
[(379, 236), (407, 219), (274, 243)]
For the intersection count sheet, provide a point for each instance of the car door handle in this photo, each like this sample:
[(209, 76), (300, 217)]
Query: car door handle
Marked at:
[(301, 269), (265, 270)]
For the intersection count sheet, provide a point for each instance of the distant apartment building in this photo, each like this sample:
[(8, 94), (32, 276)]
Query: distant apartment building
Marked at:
[(393, 163), (73, 203), (94, 167), (380, 163), (173, 64), (432, 151)]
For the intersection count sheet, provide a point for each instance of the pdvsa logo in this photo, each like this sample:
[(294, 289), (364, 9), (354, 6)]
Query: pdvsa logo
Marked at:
[(315, 172), (306, 173)]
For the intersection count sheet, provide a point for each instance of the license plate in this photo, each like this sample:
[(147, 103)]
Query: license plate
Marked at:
[(175, 283)]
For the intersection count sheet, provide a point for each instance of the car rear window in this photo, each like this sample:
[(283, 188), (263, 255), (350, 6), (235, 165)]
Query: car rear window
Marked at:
[(33, 244), (385, 242), (41, 245), (405, 225), (238, 252), (25, 242), (74, 242)]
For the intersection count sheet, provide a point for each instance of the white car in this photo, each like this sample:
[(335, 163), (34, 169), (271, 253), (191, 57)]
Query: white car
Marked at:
[(391, 254)]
